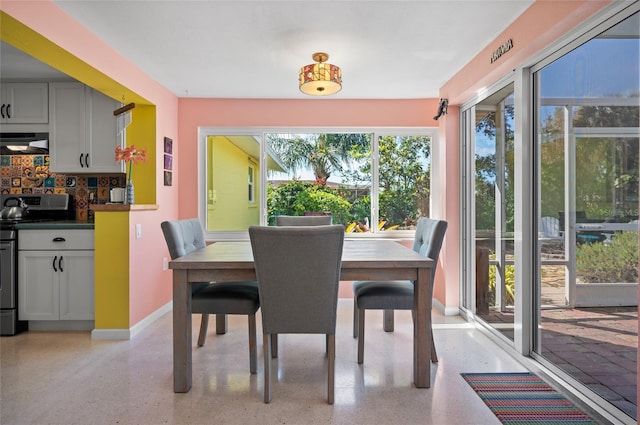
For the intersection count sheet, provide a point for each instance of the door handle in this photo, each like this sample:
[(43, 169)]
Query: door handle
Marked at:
[(81, 155), (54, 263), (8, 110), (2, 110), (60, 264), (86, 160)]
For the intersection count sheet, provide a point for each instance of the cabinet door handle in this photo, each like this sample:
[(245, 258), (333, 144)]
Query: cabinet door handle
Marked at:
[(2, 110), (86, 160), (60, 264), (59, 239), (81, 155), (8, 110), (54, 263)]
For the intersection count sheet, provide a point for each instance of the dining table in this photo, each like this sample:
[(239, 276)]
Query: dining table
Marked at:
[(362, 259)]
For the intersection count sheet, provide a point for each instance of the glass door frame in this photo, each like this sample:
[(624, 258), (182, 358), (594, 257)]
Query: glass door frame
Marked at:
[(522, 209)]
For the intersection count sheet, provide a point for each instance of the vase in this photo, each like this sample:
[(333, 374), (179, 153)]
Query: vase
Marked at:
[(129, 198)]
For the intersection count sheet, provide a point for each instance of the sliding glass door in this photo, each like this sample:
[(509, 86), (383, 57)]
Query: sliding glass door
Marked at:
[(490, 187), (587, 131)]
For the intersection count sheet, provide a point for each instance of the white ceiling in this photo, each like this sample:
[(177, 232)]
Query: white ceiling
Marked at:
[(253, 49)]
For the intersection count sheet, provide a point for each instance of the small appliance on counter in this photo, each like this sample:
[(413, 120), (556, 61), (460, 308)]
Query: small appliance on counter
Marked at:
[(116, 195), (27, 209)]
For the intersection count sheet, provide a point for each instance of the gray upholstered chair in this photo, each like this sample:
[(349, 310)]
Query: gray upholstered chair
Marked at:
[(222, 298), (298, 271), (396, 294), (297, 220), (302, 220)]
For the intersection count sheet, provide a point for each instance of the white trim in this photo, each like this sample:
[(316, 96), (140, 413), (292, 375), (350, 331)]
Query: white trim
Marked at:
[(446, 311), (127, 334)]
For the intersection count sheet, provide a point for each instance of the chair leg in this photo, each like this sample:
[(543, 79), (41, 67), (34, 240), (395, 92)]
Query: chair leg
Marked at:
[(266, 342), (221, 324), (434, 355), (331, 384), (274, 346), (360, 335), (204, 325), (253, 350), (388, 321), (326, 345), (355, 317)]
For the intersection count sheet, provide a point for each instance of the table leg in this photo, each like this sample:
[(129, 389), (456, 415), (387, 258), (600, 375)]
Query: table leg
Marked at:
[(421, 326), (181, 332)]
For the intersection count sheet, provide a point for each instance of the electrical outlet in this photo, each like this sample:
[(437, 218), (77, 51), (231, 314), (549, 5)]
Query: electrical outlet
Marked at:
[(165, 263), (138, 231)]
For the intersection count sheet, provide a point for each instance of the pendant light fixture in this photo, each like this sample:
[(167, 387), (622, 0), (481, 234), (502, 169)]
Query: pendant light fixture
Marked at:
[(320, 78)]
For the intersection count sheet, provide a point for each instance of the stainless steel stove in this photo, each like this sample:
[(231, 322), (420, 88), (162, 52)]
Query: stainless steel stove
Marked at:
[(47, 207)]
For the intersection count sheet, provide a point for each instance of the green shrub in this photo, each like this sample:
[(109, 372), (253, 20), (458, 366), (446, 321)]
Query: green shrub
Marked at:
[(296, 198), (509, 281), (616, 262)]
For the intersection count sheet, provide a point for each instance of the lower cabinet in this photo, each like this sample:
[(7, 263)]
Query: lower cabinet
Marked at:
[(55, 284)]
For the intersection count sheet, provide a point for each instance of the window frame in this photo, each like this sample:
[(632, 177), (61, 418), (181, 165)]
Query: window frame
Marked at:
[(251, 183), (259, 132)]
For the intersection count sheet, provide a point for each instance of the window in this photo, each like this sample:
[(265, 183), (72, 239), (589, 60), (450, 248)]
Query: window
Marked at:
[(372, 182), (251, 184)]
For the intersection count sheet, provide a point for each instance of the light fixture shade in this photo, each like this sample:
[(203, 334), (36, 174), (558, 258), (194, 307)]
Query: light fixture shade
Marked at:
[(321, 78)]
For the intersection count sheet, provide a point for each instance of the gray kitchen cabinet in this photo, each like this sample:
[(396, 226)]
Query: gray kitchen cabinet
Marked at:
[(56, 275), (24, 103), (82, 130)]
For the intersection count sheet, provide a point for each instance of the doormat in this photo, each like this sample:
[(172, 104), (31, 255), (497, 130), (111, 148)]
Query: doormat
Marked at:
[(525, 399)]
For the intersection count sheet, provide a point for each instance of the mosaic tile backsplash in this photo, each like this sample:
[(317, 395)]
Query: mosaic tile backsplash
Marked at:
[(29, 174)]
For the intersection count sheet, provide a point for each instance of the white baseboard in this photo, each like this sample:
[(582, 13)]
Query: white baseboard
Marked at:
[(446, 311), (113, 334)]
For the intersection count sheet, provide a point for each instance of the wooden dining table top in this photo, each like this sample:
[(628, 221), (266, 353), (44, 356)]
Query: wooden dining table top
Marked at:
[(358, 253)]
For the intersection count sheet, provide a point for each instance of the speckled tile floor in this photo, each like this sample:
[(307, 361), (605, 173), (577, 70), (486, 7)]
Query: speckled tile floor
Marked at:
[(66, 378)]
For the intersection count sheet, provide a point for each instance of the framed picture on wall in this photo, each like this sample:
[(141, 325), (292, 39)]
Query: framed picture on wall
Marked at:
[(168, 145), (167, 178), (168, 162)]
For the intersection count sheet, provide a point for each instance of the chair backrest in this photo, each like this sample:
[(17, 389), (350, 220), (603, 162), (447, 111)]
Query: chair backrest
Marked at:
[(550, 227), (298, 271), (183, 236), (303, 220), (429, 237)]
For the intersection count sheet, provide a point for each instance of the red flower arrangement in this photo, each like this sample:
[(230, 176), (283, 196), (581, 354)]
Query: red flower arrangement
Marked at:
[(130, 155)]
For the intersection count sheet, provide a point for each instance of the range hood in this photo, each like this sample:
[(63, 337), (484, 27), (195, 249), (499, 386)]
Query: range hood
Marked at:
[(24, 143)]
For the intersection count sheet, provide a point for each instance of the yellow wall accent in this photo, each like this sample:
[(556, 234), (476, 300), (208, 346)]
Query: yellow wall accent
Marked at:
[(142, 133), (228, 168), (112, 270), (112, 251)]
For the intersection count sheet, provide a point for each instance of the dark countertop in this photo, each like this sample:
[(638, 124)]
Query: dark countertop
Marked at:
[(69, 224)]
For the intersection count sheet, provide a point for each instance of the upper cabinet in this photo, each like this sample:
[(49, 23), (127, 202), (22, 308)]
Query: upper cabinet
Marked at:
[(82, 130), (24, 103)]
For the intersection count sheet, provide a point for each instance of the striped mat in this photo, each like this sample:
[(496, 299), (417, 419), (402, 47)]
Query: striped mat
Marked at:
[(525, 399)]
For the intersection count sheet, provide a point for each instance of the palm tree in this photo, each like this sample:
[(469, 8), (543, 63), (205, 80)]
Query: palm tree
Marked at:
[(323, 153)]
